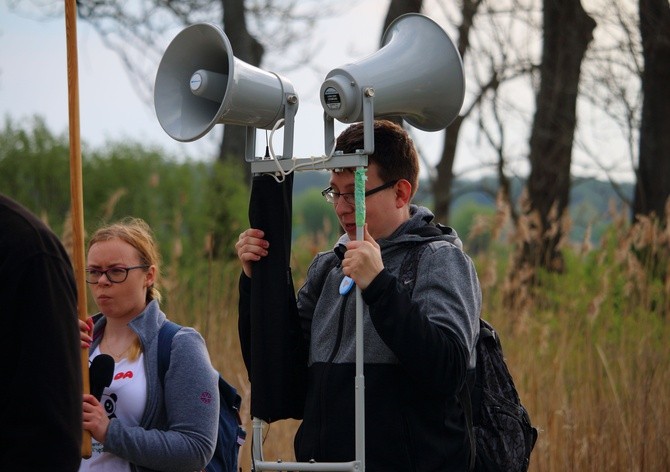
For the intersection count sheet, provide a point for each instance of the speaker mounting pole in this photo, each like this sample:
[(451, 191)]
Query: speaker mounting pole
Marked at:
[(368, 120), (290, 109)]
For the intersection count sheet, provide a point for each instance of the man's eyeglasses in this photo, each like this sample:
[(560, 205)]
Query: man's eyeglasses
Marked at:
[(332, 196), (116, 275)]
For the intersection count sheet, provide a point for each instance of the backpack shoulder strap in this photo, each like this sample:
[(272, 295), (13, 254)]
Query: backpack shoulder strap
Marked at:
[(466, 403), (465, 395), (165, 335), (410, 264), (229, 395)]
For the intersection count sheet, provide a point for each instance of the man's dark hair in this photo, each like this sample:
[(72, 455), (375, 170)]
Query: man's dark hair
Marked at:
[(395, 154)]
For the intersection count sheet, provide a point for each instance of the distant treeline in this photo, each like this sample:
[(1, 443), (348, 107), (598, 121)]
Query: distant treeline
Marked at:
[(204, 205), (591, 201)]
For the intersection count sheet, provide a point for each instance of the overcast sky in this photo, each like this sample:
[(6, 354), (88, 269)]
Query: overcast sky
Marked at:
[(33, 81)]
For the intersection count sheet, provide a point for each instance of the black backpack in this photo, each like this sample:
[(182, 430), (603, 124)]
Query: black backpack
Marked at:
[(231, 434), (499, 428)]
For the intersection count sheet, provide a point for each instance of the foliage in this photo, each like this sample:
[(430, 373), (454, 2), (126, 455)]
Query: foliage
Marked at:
[(312, 215), (462, 220), (34, 170), (184, 202), (587, 349), (227, 203)]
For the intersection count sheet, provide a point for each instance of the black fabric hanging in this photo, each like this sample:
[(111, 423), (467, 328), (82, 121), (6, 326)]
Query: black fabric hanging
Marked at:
[(278, 369)]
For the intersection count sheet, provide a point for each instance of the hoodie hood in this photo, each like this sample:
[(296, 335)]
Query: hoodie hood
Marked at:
[(419, 227)]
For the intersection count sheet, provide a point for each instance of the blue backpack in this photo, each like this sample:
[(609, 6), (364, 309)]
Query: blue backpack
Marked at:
[(231, 434)]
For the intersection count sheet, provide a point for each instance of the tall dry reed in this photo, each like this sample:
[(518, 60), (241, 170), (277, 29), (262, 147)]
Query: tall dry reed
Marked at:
[(588, 348)]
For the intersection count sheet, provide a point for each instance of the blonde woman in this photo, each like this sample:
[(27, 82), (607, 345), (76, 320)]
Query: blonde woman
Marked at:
[(136, 426)]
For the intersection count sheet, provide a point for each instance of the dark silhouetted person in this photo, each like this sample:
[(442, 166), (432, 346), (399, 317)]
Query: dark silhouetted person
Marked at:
[(41, 387)]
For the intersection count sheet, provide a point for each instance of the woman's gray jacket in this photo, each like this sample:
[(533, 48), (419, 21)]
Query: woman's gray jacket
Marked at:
[(178, 429)]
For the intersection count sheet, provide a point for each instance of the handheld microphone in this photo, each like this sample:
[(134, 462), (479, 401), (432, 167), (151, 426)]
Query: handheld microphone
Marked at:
[(100, 373)]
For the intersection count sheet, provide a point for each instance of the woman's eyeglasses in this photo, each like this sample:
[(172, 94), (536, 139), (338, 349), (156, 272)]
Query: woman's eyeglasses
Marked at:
[(116, 275)]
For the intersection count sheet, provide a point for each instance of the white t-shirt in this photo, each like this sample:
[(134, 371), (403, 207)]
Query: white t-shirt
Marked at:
[(123, 399)]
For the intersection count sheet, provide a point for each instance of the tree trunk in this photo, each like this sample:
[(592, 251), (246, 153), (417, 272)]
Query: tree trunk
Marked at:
[(444, 180), (567, 32), (247, 49), (398, 8), (652, 187)]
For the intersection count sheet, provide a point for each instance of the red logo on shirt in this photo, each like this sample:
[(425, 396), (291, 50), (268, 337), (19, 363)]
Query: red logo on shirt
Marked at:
[(124, 375)]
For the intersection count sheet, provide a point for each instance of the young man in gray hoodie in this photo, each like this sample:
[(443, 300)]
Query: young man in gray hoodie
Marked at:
[(419, 335)]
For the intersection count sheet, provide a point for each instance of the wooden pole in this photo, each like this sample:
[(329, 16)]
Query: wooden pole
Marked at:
[(76, 191)]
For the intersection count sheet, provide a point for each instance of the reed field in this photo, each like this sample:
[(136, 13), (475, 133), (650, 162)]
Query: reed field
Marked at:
[(588, 348)]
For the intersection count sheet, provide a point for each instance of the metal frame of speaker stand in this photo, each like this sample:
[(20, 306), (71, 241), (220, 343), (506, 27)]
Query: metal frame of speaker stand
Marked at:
[(359, 160)]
